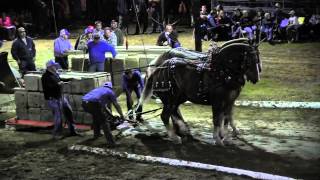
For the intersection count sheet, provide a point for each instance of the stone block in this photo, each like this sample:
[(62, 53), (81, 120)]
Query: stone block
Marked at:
[(35, 99), (87, 118), (76, 87), (32, 81), (75, 102), (103, 79), (78, 116), (79, 64), (46, 115), (22, 113), (132, 62), (88, 85), (21, 98), (34, 113)]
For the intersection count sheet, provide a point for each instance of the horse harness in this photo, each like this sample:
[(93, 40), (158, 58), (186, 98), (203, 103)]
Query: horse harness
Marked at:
[(222, 74)]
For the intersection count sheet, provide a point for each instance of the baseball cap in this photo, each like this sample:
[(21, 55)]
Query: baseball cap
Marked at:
[(89, 29), (108, 85), (51, 62), (64, 32)]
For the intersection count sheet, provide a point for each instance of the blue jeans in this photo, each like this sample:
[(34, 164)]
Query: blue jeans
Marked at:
[(268, 31), (128, 92), (96, 67), (60, 107)]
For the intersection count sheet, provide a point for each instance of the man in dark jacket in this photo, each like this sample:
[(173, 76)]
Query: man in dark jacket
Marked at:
[(23, 51), (169, 37), (59, 105)]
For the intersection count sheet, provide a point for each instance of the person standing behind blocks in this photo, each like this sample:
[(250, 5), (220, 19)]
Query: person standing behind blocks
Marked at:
[(59, 105), (98, 103), (23, 51), (132, 81), (62, 46), (97, 49)]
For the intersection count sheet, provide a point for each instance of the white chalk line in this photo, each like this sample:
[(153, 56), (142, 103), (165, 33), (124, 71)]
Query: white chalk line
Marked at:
[(273, 104), (177, 162)]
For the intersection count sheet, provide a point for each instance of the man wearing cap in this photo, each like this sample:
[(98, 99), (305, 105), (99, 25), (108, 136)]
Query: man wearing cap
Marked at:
[(62, 47), (98, 103), (97, 49), (82, 41), (132, 81), (59, 105), (118, 32), (23, 51)]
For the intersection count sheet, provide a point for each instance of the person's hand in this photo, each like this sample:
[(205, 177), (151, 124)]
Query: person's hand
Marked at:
[(18, 61)]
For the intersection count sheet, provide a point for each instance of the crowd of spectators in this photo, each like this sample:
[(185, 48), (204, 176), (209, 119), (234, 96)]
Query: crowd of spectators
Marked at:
[(274, 26)]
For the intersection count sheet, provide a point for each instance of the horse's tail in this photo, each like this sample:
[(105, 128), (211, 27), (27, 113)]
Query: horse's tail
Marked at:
[(147, 91)]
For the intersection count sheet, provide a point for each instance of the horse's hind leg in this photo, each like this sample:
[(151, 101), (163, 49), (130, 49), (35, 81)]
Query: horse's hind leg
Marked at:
[(180, 126), (218, 131), (165, 117)]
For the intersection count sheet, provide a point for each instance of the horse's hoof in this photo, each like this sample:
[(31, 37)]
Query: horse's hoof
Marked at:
[(187, 138), (219, 143), (176, 140), (235, 133)]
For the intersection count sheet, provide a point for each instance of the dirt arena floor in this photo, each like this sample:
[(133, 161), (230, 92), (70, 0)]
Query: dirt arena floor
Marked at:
[(278, 141)]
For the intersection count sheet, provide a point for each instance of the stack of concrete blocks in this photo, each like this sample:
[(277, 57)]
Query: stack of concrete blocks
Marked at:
[(133, 57), (30, 102)]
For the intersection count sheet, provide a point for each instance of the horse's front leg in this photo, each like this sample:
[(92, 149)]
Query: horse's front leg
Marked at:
[(180, 126), (165, 117), (218, 123), (229, 120)]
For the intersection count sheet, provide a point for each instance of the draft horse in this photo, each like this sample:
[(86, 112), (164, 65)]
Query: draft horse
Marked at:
[(217, 82)]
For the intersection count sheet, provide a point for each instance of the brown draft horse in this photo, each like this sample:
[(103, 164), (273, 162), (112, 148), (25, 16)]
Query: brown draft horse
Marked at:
[(217, 83)]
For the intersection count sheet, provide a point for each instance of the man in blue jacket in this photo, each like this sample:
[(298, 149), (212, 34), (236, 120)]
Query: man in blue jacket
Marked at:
[(97, 49), (132, 81), (98, 103)]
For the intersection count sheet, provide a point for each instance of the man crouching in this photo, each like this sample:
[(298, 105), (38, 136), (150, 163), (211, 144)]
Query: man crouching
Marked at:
[(98, 102)]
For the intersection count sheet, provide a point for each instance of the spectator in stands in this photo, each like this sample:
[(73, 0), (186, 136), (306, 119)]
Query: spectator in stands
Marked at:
[(168, 37), (132, 81), (279, 18), (118, 32), (292, 27), (236, 17), (141, 10), (246, 26), (154, 9), (52, 91), (98, 103), (7, 29), (98, 29), (110, 36), (315, 26), (212, 25), (24, 52), (62, 46), (123, 10), (82, 41), (223, 25), (202, 24), (97, 49), (267, 27)]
